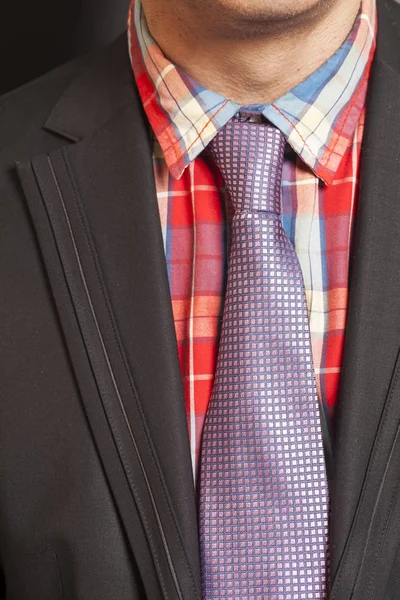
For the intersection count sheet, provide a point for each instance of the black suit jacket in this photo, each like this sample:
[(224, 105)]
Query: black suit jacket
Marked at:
[(96, 492)]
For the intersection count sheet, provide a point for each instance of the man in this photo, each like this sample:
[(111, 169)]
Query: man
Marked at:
[(204, 238)]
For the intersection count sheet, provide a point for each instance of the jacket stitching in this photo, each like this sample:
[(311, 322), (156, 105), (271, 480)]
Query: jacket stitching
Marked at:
[(92, 251)]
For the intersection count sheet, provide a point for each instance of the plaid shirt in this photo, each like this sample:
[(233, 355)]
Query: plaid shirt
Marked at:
[(323, 122)]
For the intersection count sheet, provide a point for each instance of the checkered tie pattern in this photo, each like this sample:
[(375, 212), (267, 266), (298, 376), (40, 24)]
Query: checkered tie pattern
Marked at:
[(263, 503)]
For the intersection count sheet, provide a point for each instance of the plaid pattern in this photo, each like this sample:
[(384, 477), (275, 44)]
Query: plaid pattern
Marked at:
[(323, 121)]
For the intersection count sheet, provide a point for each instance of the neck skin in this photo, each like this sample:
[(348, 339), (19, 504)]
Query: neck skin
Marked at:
[(252, 61)]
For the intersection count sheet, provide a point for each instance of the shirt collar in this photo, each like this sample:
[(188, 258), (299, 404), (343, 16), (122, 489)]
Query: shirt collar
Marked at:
[(318, 117)]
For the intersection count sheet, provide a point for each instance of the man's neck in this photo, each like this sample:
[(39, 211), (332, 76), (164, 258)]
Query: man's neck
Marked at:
[(253, 64)]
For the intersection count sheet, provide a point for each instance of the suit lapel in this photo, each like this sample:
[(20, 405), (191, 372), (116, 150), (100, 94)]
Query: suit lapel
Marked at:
[(367, 458), (95, 211)]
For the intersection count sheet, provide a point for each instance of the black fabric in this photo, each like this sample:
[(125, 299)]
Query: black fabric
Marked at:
[(96, 492), (366, 451), (60, 535)]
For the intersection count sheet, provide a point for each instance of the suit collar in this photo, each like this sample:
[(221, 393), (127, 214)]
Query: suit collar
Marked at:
[(104, 86)]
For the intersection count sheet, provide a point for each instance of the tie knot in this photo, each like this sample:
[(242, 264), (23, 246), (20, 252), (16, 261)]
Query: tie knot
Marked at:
[(250, 158)]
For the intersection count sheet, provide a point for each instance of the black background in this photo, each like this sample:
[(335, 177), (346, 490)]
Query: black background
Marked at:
[(38, 35)]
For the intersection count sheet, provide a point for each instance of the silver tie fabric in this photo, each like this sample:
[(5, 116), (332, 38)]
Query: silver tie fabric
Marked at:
[(263, 506)]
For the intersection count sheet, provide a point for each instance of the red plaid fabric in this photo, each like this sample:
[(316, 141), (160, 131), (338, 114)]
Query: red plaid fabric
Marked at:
[(323, 122)]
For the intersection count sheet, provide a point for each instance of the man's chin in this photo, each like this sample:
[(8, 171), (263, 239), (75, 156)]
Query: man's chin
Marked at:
[(269, 10), (249, 19)]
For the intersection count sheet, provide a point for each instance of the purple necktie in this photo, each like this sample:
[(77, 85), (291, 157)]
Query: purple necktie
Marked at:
[(263, 487)]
